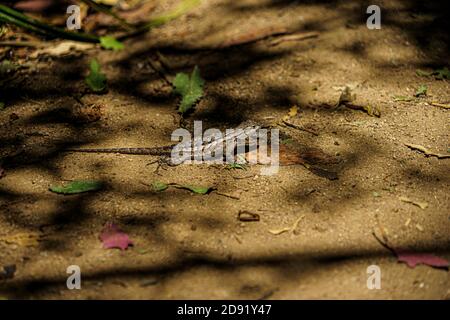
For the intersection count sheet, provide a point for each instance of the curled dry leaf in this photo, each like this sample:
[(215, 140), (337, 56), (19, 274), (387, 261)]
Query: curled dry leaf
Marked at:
[(247, 216), (292, 113)]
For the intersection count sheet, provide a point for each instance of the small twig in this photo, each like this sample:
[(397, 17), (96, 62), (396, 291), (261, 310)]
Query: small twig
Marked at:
[(295, 37), (245, 177), (227, 195), (384, 244), (294, 126), (427, 152), (159, 68), (22, 44), (440, 105)]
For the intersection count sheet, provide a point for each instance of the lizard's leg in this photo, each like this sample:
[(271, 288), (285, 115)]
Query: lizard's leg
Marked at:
[(163, 163), (160, 163)]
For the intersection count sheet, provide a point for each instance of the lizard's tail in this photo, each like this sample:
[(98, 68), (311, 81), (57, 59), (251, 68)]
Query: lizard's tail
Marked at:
[(136, 151)]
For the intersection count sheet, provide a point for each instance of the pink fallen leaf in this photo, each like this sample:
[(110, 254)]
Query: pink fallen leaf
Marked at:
[(412, 259), (113, 237)]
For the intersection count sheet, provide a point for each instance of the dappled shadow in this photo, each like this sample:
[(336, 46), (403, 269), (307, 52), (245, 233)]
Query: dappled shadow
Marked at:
[(232, 96)]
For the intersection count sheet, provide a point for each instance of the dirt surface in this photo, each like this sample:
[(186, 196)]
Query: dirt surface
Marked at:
[(193, 246)]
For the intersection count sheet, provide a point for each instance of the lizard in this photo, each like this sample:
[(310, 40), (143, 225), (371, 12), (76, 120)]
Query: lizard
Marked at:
[(190, 147), (201, 145)]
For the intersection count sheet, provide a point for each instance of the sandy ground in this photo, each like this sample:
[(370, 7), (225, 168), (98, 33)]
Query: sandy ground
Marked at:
[(193, 246)]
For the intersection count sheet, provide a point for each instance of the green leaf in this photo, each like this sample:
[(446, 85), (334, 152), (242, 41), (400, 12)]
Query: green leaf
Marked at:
[(96, 80), (190, 88), (235, 166), (109, 42), (194, 189), (6, 66), (77, 187), (159, 186), (422, 73), (402, 98), (442, 74), (2, 105), (421, 91)]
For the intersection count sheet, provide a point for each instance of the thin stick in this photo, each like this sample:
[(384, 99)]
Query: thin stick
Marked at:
[(294, 126), (22, 44)]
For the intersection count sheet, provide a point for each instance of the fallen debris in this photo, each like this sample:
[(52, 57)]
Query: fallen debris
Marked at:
[(158, 186), (412, 259), (346, 99), (78, 186), (403, 98), (293, 111), (113, 237), (421, 205), (294, 126), (287, 229), (7, 272), (62, 48), (421, 91), (24, 239), (294, 37), (440, 105), (247, 216), (228, 195), (253, 36), (426, 151)]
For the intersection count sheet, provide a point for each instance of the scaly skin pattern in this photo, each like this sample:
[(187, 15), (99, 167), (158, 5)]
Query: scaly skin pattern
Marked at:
[(157, 151)]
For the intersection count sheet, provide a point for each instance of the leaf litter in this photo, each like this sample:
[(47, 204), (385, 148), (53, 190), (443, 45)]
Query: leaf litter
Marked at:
[(426, 151), (347, 98), (420, 204), (113, 237), (410, 257), (78, 186), (287, 229), (158, 186), (23, 239)]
